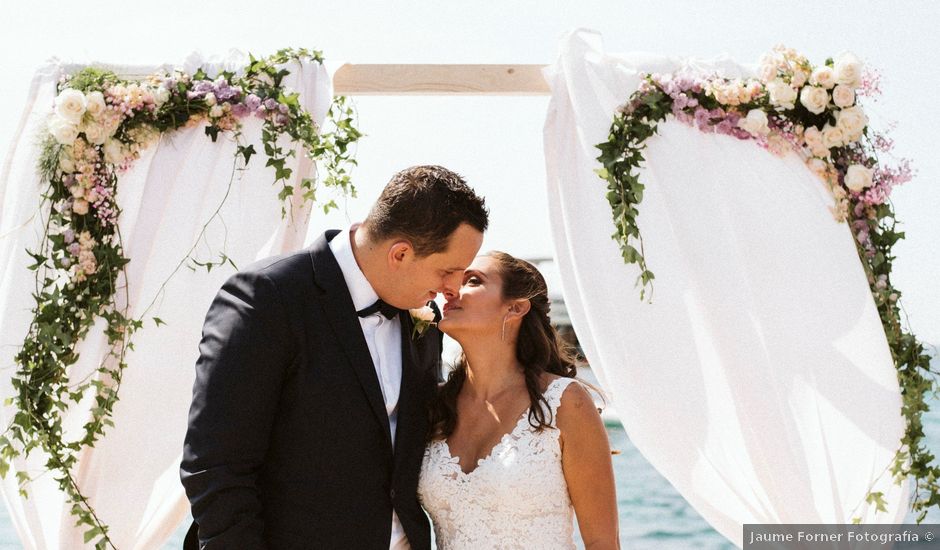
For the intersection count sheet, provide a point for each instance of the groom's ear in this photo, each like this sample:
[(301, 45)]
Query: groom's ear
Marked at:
[(398, 252)]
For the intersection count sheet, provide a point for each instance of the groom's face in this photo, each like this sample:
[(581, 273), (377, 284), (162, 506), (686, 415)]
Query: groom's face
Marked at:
[(419, 279)]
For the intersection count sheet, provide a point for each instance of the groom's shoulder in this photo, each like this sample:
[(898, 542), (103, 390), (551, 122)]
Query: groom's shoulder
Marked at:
[(282, 268)]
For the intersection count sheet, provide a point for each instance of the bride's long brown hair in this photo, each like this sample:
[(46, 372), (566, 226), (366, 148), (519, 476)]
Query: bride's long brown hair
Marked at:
[(539, 348)]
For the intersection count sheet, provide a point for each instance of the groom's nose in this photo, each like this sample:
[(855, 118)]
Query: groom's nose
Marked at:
[(450, 284)]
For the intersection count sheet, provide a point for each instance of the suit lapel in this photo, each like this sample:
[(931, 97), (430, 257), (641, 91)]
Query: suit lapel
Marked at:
[(341, 313), (410, 377)]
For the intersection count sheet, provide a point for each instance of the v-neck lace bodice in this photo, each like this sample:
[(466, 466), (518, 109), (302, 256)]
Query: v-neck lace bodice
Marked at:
[(515, 497)]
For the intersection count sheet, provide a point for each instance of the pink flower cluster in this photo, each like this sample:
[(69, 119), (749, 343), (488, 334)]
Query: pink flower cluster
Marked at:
[(81, 258), (227, 104), (765, 109)]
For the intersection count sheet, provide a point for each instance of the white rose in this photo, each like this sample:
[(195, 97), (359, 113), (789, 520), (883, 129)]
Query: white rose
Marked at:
[(210, 99), (95, 133), (818, 167), (832, 136), (62, 130), (113, 151), (857, 177), (70, 105), (798, 79), (843, 96), (852, 121), (66, 162), (423, 314), (80, 207), (815, 142), (95, 104), (160, 96), (781, 94), (848, 70), (815, 99), (823, 76), (216, 111), (755, 123)]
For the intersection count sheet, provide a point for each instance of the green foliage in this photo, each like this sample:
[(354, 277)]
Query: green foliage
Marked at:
[(66, 306), (621, 158)]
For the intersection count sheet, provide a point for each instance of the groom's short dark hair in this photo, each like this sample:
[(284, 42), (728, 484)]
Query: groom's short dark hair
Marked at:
[(425, 204)]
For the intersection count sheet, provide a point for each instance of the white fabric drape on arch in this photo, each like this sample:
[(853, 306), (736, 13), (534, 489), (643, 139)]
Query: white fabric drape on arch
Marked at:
[(132, 475), (759, 381)]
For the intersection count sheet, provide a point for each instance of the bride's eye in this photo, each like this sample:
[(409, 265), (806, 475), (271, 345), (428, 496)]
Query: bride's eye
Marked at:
[(472, 280)]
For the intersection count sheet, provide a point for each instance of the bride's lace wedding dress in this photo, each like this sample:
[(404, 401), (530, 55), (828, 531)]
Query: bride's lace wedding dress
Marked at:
[(516, 497)]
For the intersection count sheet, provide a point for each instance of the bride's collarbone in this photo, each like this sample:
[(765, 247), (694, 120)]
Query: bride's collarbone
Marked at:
[(482, 425)]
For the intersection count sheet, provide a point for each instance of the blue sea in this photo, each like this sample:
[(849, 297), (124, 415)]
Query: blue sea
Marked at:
[(652, 514)]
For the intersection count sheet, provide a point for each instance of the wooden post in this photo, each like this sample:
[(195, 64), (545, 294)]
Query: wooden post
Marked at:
[(499, 80)]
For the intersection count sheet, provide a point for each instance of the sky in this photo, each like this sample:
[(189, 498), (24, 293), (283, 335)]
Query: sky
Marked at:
[(496, 143)]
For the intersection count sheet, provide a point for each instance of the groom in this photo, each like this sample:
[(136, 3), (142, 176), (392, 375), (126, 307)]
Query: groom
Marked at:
[(308, 420)]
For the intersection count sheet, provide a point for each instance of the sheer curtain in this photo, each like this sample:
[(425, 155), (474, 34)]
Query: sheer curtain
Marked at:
[(132, 475), (758, 381)]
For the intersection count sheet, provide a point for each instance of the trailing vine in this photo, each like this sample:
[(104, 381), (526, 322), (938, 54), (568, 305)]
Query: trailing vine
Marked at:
[(794, 106), (101, 125)]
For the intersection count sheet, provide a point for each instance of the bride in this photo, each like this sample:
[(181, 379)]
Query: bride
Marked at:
[(516, 446)]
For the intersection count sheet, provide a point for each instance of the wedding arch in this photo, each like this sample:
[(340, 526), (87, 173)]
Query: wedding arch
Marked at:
[(771, 427)]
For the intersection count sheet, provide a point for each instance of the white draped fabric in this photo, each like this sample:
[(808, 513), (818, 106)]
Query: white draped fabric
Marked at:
[(759, 381), (132, 475)]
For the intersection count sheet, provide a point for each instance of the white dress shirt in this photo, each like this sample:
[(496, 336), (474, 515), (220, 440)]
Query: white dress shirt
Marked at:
[(383, 336)]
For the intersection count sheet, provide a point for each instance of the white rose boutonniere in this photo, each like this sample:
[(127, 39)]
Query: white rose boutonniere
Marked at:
[(423, 318)]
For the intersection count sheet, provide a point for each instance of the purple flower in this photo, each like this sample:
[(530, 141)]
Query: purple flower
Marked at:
[(74, 249), (203, 87), (281, 119), (724, 127), (240, 110), (684, 117), (741, 134), (224, 92), (702, 120), (283, 108), (253, 102), (270, 104), (69, 236)]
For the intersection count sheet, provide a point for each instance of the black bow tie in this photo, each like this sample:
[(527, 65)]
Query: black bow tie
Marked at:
[(389, 311)]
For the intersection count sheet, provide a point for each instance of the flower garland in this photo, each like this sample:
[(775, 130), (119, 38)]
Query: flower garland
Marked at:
[(100, 126), (812, 110)]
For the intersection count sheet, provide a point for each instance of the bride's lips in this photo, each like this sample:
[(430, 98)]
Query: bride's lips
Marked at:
[(449, 307)]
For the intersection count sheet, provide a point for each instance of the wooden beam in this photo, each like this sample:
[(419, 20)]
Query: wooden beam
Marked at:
[(499, 80)]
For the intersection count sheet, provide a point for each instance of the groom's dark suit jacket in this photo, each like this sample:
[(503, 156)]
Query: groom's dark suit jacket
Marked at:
[(288, 443)]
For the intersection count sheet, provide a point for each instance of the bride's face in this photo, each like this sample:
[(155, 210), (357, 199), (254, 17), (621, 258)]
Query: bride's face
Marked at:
[(478, 306)]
